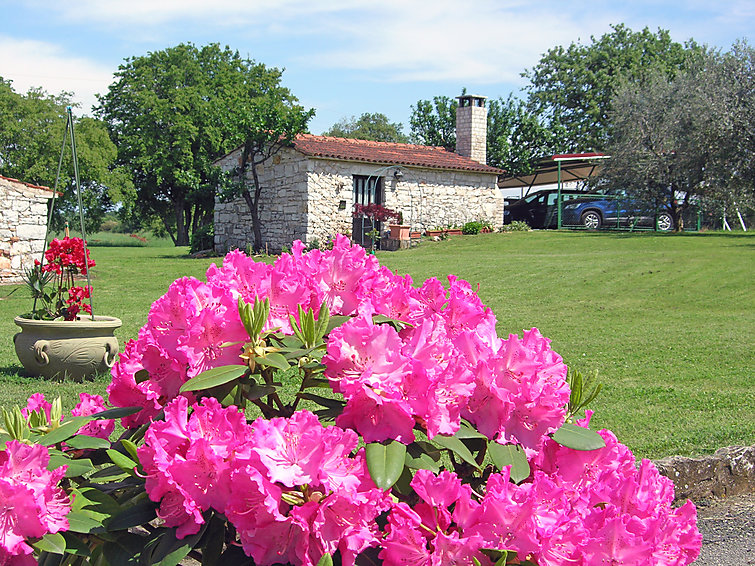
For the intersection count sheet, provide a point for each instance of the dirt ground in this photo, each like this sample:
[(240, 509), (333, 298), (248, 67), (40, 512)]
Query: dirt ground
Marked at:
[(728, 528)]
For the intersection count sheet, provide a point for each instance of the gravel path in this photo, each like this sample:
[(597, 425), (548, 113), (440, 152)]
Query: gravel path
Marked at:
[(728, 528)]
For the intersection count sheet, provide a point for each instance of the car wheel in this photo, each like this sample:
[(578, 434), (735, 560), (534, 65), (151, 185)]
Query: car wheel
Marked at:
[(665, 222), (591, 220)]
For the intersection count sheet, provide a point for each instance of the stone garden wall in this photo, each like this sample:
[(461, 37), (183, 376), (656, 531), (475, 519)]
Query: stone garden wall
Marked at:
[(282, 207), (312, 199), (23, 224)]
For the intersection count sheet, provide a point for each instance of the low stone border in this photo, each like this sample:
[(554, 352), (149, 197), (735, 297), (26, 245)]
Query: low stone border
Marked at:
[(729, 471)]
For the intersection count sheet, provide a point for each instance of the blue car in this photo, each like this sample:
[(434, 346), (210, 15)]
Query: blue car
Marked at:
[(614, 209)]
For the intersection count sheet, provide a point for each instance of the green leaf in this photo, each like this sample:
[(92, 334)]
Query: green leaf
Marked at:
[(457, 447), (325, 560), (466, 432), (108, 474), (170, 550), (75, 546), (124, 551), (65, 431), (578, 438), (75, 467), (385, 462), (273, 359), (130, 447), (256, 391), (51, 542), (335, 322), (122, 461), (141, 376), (396, 323), (214, 377), (133, 516), (214, 540), (85, 442), (82, 522), (422, 456), (116, 413), (510, 455)]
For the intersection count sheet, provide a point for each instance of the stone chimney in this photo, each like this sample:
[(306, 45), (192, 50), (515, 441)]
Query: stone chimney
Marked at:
[(472, 127)]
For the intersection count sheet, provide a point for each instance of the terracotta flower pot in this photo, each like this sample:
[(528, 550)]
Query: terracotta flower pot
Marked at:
[(399, 231), (57, 349)]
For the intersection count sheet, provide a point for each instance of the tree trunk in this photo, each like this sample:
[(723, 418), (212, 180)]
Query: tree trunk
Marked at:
[(182, 234)]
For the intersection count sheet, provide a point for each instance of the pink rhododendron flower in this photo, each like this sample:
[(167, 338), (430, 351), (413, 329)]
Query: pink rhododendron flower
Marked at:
[(90, 405), (31, 503), (37, 402), (295, 490)]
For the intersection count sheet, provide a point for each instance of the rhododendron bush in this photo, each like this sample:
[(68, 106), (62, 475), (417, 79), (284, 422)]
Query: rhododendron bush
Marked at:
[(324, 410)]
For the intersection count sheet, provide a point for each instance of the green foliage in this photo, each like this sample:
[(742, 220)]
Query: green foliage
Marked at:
[(573, 86), (434, 123), (172, 113), (689, 136), (203, 238), (516, 226), (374, 127), (473, 227), (32, 128), (516, 137)]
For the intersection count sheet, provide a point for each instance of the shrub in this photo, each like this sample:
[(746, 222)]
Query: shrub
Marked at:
[(203, 238), (473, 227), (516, 226)]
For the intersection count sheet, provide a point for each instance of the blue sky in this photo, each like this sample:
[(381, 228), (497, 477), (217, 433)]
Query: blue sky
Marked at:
[(341, 57)]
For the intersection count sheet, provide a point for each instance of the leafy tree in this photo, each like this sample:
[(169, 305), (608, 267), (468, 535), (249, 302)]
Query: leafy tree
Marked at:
[(573, 87), (267, 118), (677, 141), (32, 127), (731, 96), (374, 127), (434, 122), (516, 137)]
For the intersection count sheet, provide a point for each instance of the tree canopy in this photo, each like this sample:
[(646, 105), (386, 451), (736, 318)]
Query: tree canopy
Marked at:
[(516, 137), (173, 112), (677, 140), (32, 126), (266, 117), (369, 126), (434, 122), (572, 87)]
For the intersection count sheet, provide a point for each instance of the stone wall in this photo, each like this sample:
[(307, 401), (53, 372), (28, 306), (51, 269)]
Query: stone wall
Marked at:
[(23, 224), (282, 207), (313, 200)]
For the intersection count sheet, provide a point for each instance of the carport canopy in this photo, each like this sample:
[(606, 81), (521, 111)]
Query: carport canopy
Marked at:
[(573, 167)]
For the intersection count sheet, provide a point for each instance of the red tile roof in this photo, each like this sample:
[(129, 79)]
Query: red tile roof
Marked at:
[(27, 184), (388, 153)]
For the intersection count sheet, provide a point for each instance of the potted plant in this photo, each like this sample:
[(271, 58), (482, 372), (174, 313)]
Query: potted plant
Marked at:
[(399, 231), (60, 337), (376, 213)]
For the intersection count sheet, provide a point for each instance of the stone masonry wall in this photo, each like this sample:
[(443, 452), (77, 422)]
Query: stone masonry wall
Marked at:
[(427, 198), (23, 224), (282, 207), (313, 200)]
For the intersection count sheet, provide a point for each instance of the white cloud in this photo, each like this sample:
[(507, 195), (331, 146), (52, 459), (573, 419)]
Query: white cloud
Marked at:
[(482, 41), (30, 63)]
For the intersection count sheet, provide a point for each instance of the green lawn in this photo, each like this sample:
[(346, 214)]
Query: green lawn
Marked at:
[(667, 320)]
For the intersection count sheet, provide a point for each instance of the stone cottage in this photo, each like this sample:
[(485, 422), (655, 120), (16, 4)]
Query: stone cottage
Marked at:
[(310, 189), (23, 224)]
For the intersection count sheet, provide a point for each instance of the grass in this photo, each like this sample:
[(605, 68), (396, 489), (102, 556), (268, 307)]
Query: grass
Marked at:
[(667, 320)]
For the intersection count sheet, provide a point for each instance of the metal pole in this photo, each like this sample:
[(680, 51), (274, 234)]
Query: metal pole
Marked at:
[(81, 208), (558, 197)]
